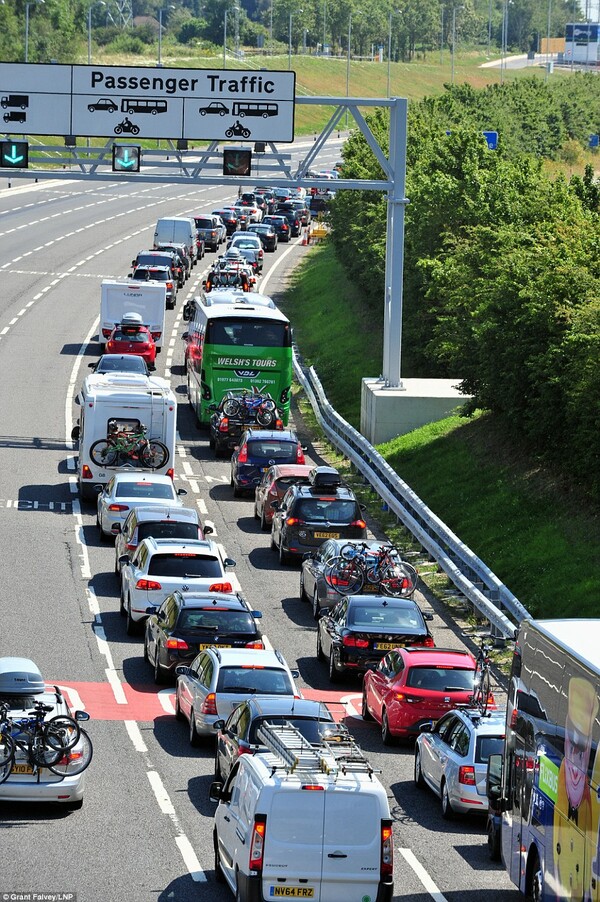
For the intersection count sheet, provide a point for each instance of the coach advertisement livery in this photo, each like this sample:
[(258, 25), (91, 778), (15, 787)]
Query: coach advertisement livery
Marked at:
[(91, 101)]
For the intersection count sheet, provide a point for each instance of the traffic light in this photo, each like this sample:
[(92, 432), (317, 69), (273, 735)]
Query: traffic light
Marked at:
[(126, 157), (14, 154), (236, 161)]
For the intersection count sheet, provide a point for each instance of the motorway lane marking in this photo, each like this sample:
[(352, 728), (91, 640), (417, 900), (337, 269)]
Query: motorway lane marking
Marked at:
[(412, 860), (183, 844), (135, 736)]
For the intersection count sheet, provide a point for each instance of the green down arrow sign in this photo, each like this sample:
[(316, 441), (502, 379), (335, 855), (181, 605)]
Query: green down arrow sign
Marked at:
[(126, 158), (14, 154)]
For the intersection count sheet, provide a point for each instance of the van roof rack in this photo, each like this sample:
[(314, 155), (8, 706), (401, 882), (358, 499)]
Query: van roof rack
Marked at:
[(337, 754)]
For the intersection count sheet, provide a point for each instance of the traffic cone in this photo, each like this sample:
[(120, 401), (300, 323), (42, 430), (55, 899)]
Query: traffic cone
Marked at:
[(304, 238)]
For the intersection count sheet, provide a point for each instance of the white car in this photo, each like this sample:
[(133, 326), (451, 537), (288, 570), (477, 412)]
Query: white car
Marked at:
[(251, 210), (21, 687), (126, 491), (159, 566), (250, 246)]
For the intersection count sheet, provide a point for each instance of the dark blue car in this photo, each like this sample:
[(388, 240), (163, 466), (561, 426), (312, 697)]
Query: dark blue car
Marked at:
[(258, 450)]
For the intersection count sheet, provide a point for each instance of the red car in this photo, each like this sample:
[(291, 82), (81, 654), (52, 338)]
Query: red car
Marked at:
[(413, 686), (273, 486), (132, 338)]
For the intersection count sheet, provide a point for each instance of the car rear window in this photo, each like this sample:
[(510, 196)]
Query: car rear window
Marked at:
[(203, 222), (312, 729), (442, 679), (380, 617), (486, 746), (169, 529), (184, 565), (130, 335), (144, 490), (254, 680), (221, 621), (284, 482), (320, 510), (262, 450)]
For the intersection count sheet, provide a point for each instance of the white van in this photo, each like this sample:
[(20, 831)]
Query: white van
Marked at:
[(177, 230), (132, 401), (304, 822), (119, 297)]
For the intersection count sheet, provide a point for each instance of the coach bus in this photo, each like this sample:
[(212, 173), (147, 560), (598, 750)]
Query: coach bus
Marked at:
[(544, 790), (246, 108), (237, 340)]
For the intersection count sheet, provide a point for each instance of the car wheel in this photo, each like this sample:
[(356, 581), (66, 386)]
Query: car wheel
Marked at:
[(419, 781), (366, 714), (320, 655), (211, 442), (334, 676), (132, 625), (263, 522), (146, 655), (122, 608), (195, 739), (160, 676), (447, 812), (386, 736), (178, 711), (303, 595), (316, 605), (284, 558), (273, 544), (117, 569), (219, 877)]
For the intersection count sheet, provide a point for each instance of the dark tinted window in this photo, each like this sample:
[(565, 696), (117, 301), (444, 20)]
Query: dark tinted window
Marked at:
[(380, 617), (486, 746), (253, 680), (129, 364), (311, 729), (186, 566), (249, 333), (143, 490), (320, 510), (130, 335), (263, 450), (168, 529), (442, 679), (224, 621)]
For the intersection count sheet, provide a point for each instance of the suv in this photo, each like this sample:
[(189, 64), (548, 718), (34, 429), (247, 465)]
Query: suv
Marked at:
[(184, 255), (186, 624), (159, 566), (160, 523), (211, 231), (310, 514), (162, 258), (258, 450), (219, 679), (250, 246), (158, 274), (452, 756), (237, 411)]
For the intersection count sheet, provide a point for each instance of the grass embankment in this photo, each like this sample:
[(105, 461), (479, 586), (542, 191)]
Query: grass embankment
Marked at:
[(529, 526)]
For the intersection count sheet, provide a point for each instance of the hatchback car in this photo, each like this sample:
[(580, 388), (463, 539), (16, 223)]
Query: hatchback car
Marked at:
[(225, 429), (159, 274), (257, 451), (452, 756), (237, 735), (294, 221), (133, 338), (360, 629), (267, 235), (120, 363), (125, 491), (310, 514), (281, 226), (160, 566), (273, 486), (412, 686), (250, 209), (317, 589), (218, 680), (187, 623), (167, 257), (250, 246), (228, 218), (160, 522)]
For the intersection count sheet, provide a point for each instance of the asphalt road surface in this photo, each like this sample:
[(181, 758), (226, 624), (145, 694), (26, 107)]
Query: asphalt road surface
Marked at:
[(145, 830)]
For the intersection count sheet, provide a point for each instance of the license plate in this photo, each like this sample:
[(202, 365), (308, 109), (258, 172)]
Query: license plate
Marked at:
[(385, 646), (263, 469), (291, 892), (326, 535), (205, 645), (22, 769)]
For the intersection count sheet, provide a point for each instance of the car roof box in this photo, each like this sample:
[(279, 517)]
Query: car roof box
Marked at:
[(20, 676), (324, 476)]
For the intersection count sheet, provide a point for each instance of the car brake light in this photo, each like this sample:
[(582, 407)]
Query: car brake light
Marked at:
[(170, 285), (224, 425), (312, 787), (243, 455), (427, 642), (353, 642), (258, 644), (466, 775), (106, 333), (86, 473), (292, 521), (171, 473), (176, 643), (221, 587), (209, 705), (118, 507), (149, 584), (278, 424), (360, 524), (257, 842), (300, 455), (386, 867), (156, 335)]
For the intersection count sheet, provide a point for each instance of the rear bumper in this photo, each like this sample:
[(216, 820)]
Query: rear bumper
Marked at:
[(62, 791)]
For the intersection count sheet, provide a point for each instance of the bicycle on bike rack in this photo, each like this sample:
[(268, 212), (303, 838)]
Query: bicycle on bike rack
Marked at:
[(122, 446), (482, 697), (251, 407), (383, 568)]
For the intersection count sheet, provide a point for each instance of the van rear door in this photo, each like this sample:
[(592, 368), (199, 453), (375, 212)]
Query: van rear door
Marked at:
[(351, 844), (294, 845)]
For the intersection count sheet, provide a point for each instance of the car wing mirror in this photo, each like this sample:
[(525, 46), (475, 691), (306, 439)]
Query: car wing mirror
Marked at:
[(295, 673), (98, 489), (256, 614), (426, 727), (91, 365), (81, 715), (427, 616), (124, 559), (215, 793), (229, 562), (208, 528), (218, 725), (116, 528), (182, 491), (75, 433), (275, 505), (151, 609), (182, 670)]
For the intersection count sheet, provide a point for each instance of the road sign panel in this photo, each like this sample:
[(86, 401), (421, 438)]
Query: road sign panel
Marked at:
[(181, 104), (492, 139), (14, 154), (126, 157)]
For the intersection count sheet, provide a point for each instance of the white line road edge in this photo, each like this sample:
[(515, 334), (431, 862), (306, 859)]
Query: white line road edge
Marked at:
[(413, 862)]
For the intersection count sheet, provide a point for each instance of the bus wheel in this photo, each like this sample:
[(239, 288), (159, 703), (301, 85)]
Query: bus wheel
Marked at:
[(535, 880)]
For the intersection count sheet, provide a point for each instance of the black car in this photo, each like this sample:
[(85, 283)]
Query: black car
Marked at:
[(281, 226), (120, 363), (158, 274), (269, 199), (186, 624), (294, 221), (295, 206), (258, 450), (360, 629), (236, 412), (162, 258), (230, 219), (183, 254), (310, 514), (266, 233)]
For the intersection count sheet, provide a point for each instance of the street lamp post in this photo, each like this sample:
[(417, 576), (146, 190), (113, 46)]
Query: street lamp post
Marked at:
[(442, 38), (290, 38), (454, 9), (348, 62), (225, 35), (91, 6), (27, 5), (392, 11), (160, 28), (548, 54)]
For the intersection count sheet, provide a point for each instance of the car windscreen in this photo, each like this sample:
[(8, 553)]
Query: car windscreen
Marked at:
[(144, 490), (312, 729), (130, 335), (186, 565), (486, 746), (249, 333), (265, 450), (251, 680), (168, 529), (321, 510), (380, 617), (441, 679), (217, 621), (129, 364)]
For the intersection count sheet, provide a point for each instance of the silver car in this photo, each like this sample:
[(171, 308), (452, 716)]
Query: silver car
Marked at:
[(451, 757), (220, 679), (128, 490), (161, 523)]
